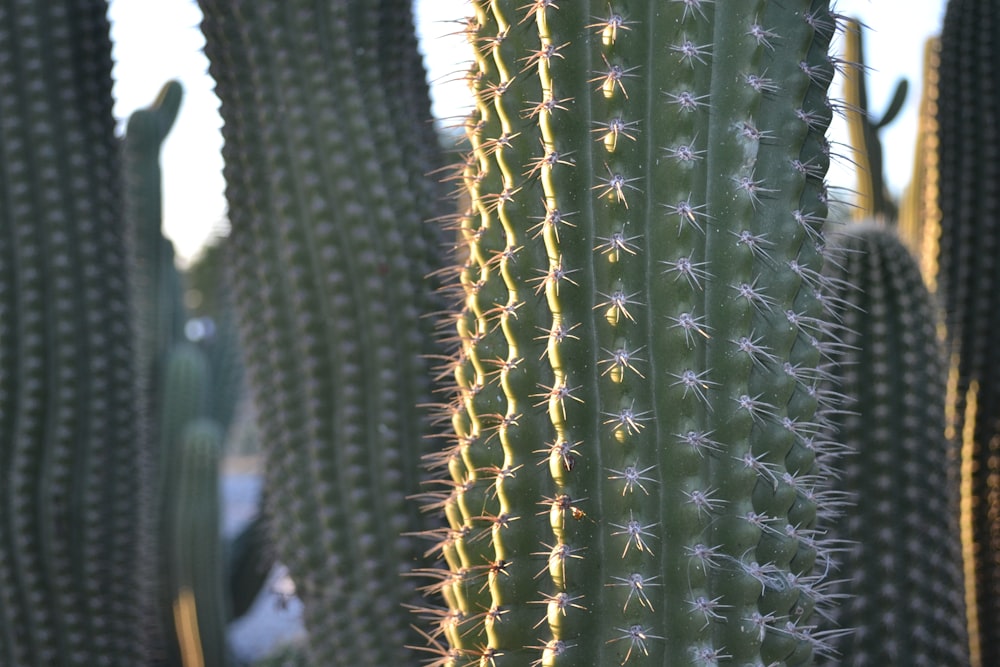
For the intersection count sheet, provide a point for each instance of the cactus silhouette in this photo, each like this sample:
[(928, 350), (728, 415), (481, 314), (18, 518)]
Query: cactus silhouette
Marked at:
[(633, 475)]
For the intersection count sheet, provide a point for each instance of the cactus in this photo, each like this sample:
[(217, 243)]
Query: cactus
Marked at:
[(873, 200), (196, 573), (248, 563), (968, 280), (71, 509), (329, 253), (156, 288), (633, 475), (902, 585), (919, 214)]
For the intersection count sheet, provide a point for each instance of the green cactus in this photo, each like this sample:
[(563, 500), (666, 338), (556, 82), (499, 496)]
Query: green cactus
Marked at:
[(71, 483), (901, 568), (968, 284), (633, 475), (196, 564), (156, 288), (329, 251), (873, 200), (220, 339)]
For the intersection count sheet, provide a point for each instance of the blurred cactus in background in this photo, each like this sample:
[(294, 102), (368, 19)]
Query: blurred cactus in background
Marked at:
[(968, 286), (900, 579)]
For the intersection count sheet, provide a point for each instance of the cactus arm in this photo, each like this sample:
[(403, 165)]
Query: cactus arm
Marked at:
[(872, 198)]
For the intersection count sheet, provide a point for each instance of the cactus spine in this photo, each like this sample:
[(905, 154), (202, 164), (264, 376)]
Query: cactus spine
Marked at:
[(69, 447), (968, 141), (330, 251), (633, 473), (902, 583)]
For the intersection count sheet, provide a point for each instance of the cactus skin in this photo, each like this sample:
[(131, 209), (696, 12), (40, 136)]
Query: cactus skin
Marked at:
[(632, 475), (329, 253), (69, 446), (902, 566), (969, 286)]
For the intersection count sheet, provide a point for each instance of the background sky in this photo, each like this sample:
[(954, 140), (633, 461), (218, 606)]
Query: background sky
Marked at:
[(158, 41)]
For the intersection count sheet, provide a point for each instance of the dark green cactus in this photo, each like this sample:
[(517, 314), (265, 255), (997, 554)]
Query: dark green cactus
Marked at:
[(969, 287), (633, 475), (330, 251), (196, 563), (71, 500), (901, 572), (156, 286)]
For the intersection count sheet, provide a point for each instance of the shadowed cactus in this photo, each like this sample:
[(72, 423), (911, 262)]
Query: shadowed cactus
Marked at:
[(634, 475), (329, 248), (71, 506), (902, 587), (968, 284)]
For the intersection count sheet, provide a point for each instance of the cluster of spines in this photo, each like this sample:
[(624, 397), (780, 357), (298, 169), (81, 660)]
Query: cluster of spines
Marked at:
[(901, 576), (677, 391), (69, 453), (330, 249), (968, 151)]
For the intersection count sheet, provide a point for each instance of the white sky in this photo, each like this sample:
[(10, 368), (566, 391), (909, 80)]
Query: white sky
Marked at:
[(157, 41)]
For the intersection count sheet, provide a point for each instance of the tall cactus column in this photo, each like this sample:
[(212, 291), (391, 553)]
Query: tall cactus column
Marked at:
[(901, 569), (633, 476), (968, 144), (330, 251), (69, 447)]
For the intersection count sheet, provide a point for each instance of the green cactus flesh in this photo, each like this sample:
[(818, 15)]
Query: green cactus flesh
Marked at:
[(633, 475), (330, 250), (70, 483), (900, 572)]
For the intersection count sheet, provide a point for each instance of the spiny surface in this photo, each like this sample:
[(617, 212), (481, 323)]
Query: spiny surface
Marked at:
[(330, 253), (968, 138), (901, 568), (634, 474), (69, 448)]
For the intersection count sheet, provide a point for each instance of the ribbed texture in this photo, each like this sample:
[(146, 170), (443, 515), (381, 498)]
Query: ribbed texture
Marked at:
[(330, 252), (902, 561), (196, 551), (69, 447), (633, 476), (969, 276)]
